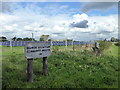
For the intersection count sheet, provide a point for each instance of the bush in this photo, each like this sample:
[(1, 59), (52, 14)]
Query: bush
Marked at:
[(104, 45), (118, 44)]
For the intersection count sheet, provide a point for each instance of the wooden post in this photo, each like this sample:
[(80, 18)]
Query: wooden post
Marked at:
[(73, 45), (90, 44), (45, 66), (30, 70), (96, 49), (86, 45)]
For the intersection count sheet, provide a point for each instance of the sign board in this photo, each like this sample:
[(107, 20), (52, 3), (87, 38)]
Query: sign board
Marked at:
[(37, 49)]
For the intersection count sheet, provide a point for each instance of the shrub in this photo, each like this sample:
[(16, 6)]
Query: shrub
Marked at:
[(118, 44), (104, 45)]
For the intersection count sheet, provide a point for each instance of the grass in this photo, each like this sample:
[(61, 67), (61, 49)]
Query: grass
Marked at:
[(113, 51), (67, 69)]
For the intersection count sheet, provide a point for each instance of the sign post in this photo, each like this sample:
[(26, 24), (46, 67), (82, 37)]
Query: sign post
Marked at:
[(36, 50), (30, 70), (45, 66)]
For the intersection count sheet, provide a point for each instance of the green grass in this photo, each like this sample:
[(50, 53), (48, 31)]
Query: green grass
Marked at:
[(113, 51), (67, 69)]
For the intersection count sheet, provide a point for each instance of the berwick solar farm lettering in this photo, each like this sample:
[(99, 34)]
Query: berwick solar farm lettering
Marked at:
[(37, 47), (37, 50), (29, 51)]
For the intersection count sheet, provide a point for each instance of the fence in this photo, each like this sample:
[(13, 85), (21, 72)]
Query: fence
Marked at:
[(58, 43)]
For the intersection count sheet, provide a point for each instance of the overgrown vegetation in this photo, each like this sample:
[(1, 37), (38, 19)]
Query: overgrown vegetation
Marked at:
[(67, 69), (117, 44), (104, 45), (55, 48)]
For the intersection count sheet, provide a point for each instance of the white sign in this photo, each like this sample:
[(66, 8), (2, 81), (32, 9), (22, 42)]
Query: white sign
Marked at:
[(37, 49)]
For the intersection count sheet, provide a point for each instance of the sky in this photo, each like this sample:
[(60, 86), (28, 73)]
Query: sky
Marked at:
[(82, 21)]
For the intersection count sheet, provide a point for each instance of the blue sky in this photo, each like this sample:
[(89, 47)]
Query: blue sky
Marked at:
[(75, 20), (110, 11), (73, 5)]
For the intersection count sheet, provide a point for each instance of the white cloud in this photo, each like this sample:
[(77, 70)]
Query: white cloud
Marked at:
[(15, 25), (10, 28), (78, 17), (23, 22), (27, 27)]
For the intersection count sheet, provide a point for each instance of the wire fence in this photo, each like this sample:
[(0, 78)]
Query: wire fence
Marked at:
[(54, 43)]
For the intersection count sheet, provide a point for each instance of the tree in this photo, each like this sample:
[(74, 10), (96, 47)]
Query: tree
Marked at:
[(104, 45), (44, 37), (69, 40), (19, 39), (49, 39), (14, 39), (117, 44), (105, 39), (3, 39), (113, 39), (28, 39)]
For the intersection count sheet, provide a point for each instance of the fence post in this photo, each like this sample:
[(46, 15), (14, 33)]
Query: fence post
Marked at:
[(11, 44), (73, 44), (97, 47)]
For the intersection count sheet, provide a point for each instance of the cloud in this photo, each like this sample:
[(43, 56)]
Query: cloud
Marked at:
[(81, 24), (80, 17), (23, 27), (105, 25), (98, 6), (24, 21), (8, 7)]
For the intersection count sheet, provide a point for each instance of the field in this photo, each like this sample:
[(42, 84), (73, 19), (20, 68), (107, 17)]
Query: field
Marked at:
[(80, 68)]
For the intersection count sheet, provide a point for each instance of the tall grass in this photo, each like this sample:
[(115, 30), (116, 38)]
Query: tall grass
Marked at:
[(66, 69), (104, 45)]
